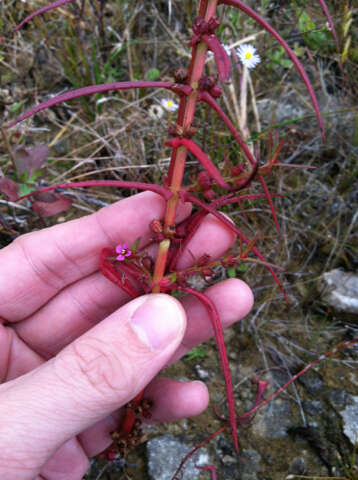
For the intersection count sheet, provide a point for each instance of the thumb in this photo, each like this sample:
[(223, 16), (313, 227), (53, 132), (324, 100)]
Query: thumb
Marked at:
[(99, 372)]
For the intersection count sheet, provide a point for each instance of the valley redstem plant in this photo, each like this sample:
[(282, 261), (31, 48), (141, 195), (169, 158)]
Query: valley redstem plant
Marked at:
[(134, 270)]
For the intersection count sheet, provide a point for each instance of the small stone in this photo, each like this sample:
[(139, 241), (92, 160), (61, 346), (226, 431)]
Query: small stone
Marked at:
[(202, 374), (313, 407), (340, 290), (350, 421), (165, 454), (274, 421)]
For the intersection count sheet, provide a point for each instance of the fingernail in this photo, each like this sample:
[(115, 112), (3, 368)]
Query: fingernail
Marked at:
[(158, 321)]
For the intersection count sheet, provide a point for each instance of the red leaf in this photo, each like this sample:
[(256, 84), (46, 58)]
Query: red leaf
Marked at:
[(211, 469), (222, 59), (30, 159), (51, 6), (192, 198), (201, 156), (85, 91), (9, 188), (249, 11), (47, 204), (219, 337), (164, 192)]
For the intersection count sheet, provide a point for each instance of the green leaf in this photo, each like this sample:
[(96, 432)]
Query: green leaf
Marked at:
[(136, 245), (231, 272), (196, 353), (153, 74), (242, 267), (16, 106), (24, 189)]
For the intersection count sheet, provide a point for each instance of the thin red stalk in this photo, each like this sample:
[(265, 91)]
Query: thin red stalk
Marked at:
[(111, 274), (249, 11), (192, 198), (85, 91), (201, 156), (269, 199), (164, 192), (210, 100), (51, 6), (200, 445), (334, 350), (211, 469), (330, 22), (207, 98), (219, 337), (185, 119)]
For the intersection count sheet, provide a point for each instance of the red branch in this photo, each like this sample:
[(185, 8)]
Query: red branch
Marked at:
[(219, 337), (164, 192), (104, 87)]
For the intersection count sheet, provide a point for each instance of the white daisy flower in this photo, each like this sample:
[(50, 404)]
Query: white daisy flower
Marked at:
[(248, 56), (169, 105), (226, 48), (155, 112)]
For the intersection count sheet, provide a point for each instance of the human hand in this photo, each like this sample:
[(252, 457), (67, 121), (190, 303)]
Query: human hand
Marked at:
[(73, 348)]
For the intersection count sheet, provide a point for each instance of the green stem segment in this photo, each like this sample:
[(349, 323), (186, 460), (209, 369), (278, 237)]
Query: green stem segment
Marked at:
[(187, 107)]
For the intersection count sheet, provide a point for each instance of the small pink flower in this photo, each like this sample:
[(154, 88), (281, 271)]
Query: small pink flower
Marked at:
[(123, 251)]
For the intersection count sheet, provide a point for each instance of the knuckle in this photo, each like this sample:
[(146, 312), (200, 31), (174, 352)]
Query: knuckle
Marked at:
[(102, 370)]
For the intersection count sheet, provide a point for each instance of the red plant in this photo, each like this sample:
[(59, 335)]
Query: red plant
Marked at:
[(133, 271)]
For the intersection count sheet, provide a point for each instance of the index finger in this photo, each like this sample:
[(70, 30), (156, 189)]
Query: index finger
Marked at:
[(36, 266)]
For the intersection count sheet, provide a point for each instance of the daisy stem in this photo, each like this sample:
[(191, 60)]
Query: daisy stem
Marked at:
[(187, 106)]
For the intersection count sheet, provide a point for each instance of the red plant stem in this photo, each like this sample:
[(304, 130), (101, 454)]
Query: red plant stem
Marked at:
[(93, 89), (211, 469), (207, 98), (330, 22), (200, 445), (129, 416), (334, 350), (44, 9), (185, 118), (192, 198), (218, 331), (159, 268)]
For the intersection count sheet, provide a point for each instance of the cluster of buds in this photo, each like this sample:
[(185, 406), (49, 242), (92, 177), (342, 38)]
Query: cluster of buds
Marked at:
[(123, 444), (205, 183), (203, 27), (182, 132), (208, 83)]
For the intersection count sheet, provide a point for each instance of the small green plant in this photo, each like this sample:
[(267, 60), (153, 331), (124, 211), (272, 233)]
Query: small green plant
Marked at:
[(196, 353)]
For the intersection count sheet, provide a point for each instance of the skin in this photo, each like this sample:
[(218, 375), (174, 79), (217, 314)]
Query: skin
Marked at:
[(70, 351)]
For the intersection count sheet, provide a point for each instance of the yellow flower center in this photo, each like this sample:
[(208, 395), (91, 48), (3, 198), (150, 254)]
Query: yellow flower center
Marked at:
[(170, 103), (248, 55)]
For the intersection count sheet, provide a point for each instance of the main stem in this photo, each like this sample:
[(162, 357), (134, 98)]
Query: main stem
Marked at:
[(207, 9)]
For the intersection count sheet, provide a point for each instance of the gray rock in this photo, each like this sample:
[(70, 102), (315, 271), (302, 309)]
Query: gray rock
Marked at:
[(350, 420), (165, 454), (277, 112), (313, 407), (274, 421), (250, 466), (340, 290)]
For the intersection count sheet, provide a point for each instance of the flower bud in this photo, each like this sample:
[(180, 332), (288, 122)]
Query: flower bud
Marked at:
[(209, 194), (204, 180)]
